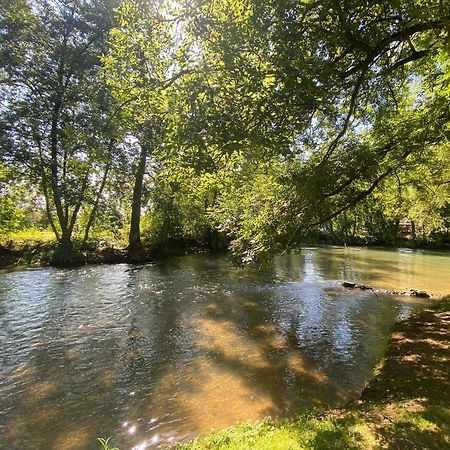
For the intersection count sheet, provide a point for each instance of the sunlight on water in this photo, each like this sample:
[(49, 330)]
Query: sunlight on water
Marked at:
[(155, 354)]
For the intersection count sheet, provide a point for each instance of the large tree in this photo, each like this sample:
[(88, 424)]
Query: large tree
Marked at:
[(146, 60), (57, 113), (337, 94)]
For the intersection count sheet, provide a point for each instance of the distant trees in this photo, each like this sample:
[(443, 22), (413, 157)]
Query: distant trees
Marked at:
[(411, 203)]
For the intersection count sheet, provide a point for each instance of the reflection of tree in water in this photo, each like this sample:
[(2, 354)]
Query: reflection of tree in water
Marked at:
[(133, 356), (241, 345), (154, 342), (341, 333)]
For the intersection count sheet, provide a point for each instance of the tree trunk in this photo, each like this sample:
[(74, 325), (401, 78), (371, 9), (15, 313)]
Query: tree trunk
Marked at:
[(65, 241), (66, 244), (96, 203), (136, 251)]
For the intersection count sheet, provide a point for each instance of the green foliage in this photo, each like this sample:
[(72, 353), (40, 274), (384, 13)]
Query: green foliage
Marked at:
[(441, 305), (252, 214), (416, 194), (265, 120), (335, 118), (11, 217), (105, 444), (56, 113)]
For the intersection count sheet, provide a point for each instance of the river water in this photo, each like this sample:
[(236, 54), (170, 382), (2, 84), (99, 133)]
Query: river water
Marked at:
[(159, 353)]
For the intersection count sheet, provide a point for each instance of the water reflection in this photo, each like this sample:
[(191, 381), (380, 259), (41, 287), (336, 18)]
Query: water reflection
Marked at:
[(157, 353)]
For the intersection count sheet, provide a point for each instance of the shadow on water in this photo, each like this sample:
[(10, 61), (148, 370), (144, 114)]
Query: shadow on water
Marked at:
[(159, 352)]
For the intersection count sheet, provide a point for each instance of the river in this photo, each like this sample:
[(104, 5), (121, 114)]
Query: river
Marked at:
[(158, 353)]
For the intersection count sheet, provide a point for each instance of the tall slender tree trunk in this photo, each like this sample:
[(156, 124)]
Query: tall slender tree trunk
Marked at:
[(94, 209), (45, 192), (136, 251), (65, 236)]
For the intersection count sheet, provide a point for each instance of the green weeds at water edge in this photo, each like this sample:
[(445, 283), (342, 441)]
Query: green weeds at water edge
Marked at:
[(396, 425), (105, 444)]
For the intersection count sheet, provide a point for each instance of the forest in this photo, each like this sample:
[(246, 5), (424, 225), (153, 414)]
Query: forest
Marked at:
[(251, 125)]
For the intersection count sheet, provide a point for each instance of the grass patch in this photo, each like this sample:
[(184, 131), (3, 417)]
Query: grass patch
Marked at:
[(22, 238), (27, 247), (358, 426), (40, 248), (440, 305)]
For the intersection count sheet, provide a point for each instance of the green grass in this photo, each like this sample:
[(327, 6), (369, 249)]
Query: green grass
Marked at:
[(36, 247), (354, 427), (28, 247), (105, 444), (33, 236), (398, 425), (440, 305)]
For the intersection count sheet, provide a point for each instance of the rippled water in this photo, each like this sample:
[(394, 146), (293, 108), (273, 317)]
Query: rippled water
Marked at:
[(155, 353)]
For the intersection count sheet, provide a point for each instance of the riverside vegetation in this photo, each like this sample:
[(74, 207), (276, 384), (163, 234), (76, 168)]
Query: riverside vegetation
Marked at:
[(131, 129), (249, 125)]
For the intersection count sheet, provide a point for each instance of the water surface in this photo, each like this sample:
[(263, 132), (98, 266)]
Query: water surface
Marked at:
[(155, 353)]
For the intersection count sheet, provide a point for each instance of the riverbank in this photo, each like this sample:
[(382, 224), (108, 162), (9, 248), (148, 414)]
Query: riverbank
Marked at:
[(405, 406), (40, 248), (46, 253)]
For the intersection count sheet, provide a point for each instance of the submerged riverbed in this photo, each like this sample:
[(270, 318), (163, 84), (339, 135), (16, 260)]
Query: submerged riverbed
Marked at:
[(155, 353)]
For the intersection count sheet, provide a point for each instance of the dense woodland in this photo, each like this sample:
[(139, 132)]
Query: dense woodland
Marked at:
[(253, 124)]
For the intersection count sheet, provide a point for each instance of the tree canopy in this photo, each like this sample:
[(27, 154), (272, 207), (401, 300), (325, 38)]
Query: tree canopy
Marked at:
[(265, 121)]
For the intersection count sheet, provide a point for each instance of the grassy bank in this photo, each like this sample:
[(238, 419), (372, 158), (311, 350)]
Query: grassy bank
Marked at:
[(40, 248), (405, 406)]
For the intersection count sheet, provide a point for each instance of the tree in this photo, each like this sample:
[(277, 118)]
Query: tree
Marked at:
[(143, 65), (317, 88), (56, 108)]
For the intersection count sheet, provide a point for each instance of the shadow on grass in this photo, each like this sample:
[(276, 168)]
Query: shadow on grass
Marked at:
[(416, 374)]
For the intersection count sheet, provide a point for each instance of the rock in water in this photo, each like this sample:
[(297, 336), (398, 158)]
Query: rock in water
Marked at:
[(420, 294)]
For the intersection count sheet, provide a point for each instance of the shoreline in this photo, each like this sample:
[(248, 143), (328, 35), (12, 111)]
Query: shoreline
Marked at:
[(44, 254), (404, 405)]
